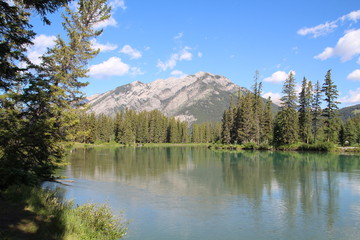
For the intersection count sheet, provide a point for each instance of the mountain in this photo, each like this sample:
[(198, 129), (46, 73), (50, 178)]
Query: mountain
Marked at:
[(194, 98), (349, 112)]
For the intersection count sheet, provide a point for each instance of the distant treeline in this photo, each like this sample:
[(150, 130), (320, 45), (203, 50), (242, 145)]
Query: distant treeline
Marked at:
[(130, 127), (300, 119)]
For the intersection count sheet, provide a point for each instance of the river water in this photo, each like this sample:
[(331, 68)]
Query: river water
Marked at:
[(197, 193)]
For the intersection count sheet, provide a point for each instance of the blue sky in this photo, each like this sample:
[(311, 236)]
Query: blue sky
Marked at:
[(148, 40)]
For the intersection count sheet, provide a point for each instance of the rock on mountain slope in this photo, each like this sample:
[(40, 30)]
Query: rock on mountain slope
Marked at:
[(194, 98)]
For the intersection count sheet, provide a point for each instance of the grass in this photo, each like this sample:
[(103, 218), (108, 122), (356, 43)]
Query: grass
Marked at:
[(318, 147), (34, 213), (114, 144)]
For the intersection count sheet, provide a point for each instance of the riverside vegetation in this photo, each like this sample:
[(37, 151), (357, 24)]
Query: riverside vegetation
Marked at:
[(301, 124), (38, 105)]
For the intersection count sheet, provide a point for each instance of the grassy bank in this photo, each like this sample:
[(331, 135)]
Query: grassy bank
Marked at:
[(113, 144), (316, 147), (34, 213)]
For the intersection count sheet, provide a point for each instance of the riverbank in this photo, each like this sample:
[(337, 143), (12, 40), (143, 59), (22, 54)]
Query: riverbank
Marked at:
[(317, 147), (303, 147), (112, 144), (35, 213)]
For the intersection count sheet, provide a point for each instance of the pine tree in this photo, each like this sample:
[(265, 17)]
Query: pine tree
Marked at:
[(227, 123), (129, 134), (174, 134), (331, 120), (16, 35), (258, 106), (36, 111), (305, 99), (118, 127), (286, 121), (348, 133), (185, 132), (267, 123), (316, 110), (142, 129), (245, 120)]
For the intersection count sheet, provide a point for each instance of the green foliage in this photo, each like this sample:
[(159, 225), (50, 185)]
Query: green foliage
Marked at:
[(289, 99), (316, 111), (319, 146), (286, 127), (228, 123), (266, 125), (92, 222), (130, 127), (250, 120), (330, 113), (305, 119), (206, 132), (37, 102), (249, 146), (58, 219), (350, 132)]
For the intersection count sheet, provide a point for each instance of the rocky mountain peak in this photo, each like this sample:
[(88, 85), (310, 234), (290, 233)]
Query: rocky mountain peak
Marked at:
[(194, 98)]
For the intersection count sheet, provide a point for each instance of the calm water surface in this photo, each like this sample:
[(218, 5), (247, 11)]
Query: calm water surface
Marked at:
[(196, 193)]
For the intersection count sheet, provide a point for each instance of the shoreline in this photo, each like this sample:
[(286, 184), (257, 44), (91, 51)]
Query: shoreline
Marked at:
[(299, 147)]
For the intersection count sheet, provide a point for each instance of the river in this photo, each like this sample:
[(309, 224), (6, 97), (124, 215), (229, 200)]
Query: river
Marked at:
[(197, 193)]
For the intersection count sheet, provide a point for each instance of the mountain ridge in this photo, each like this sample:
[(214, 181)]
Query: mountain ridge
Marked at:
[(195, 98)]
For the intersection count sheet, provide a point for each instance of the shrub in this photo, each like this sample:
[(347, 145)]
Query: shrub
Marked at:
[(320, 146), (58, 219), (250, 146)]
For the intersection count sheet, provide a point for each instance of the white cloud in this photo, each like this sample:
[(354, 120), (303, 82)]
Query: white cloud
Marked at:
[(117, 3), (327, 27), (275, 97), (199, 54), (111, 67), (182, 55), (346, 48), (327, 53), (103, 47), (132, 52), (278, 77), (185, 54), (108, 22), (41, 44), (355, 75), (319, 30), (353, 16), (353, 97), (178, 73), (179, 35)]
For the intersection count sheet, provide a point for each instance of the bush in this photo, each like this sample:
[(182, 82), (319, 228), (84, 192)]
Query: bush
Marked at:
[(57, 219), (264, 146), (320, 146), (250, 146)]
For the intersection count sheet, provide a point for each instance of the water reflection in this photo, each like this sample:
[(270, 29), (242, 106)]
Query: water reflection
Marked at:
[(282, 194)]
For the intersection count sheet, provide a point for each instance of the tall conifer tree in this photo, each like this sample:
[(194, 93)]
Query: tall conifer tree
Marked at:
[(330, 112), (305, 99), (316, 110), (286, 121)]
